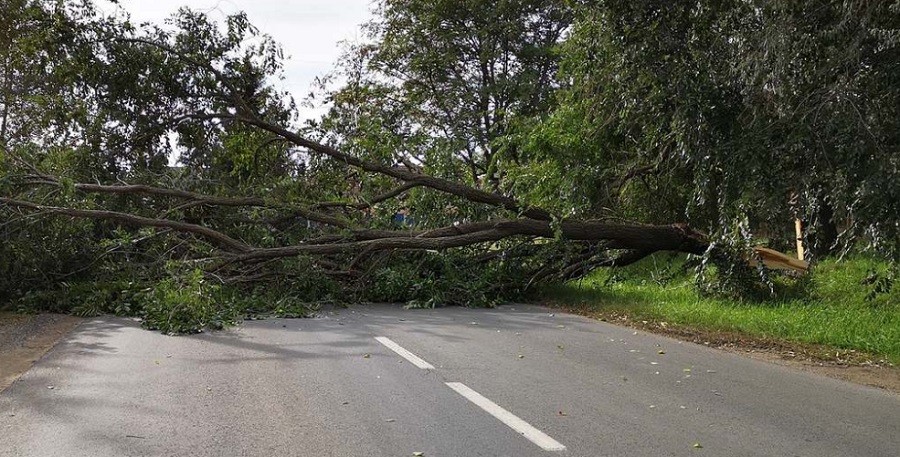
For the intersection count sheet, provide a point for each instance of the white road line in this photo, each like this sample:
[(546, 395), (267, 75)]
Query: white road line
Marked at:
[(415, 360), (524, 428)]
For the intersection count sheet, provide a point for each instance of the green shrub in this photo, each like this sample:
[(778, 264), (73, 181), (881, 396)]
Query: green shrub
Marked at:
[(186, 304)]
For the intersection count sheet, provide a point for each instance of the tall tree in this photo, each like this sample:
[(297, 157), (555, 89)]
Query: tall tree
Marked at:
[(721, 114), (444, 81)]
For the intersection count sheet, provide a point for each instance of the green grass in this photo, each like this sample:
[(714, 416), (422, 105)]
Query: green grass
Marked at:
[(837, 308)]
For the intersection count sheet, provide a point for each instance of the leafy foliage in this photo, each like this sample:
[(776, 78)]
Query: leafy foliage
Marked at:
[(730, 116), (430, 280), (488, 129)]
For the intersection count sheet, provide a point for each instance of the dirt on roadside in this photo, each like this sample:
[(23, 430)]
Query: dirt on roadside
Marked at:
[(26, 338), (848, 365)]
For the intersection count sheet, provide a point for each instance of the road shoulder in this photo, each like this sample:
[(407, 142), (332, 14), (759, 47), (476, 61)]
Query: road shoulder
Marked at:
[(846, 365), (24, 339)]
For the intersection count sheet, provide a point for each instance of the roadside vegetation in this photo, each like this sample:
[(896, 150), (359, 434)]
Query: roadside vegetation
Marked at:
[(844, 305), (469, 153)]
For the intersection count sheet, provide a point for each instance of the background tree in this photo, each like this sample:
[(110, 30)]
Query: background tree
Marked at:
[(722, 114)]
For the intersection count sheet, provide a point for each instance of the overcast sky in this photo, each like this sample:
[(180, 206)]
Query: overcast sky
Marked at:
[(309, 30)]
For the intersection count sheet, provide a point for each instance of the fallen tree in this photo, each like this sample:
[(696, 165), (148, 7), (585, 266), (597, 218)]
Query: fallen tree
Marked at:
[(226, 94), (255, 198)]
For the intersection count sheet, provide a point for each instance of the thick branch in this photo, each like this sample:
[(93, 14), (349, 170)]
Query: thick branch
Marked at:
[(221, 239), (644, 239)]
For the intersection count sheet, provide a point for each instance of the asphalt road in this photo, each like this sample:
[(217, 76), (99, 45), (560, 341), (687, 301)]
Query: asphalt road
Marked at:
[(327, 387)]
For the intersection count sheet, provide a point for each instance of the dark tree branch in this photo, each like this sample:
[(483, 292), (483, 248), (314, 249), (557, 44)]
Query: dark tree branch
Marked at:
[(642, 238), (245, 115), (450, 187), (224, 241)]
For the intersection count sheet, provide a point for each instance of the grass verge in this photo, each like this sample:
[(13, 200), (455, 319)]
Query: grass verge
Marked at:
[(844, 315)]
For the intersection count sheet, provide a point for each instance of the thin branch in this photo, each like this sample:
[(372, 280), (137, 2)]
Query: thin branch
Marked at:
[(373, 201), (196, 199), (403, 174)]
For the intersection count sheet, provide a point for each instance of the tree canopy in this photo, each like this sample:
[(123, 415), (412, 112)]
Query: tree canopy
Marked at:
[(471, 150)]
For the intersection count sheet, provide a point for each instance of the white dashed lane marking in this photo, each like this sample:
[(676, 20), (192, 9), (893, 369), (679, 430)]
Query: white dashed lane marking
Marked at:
[(415, 360), (511, 420), (524, 428)]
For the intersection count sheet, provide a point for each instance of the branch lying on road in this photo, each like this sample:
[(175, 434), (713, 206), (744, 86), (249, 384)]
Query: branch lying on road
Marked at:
[(640, 238)]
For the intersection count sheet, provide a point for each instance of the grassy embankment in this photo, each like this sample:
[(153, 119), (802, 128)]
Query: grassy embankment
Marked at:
[(835, 315)]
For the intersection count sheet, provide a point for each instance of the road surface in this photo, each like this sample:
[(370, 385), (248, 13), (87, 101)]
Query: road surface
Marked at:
[(375, 381)]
